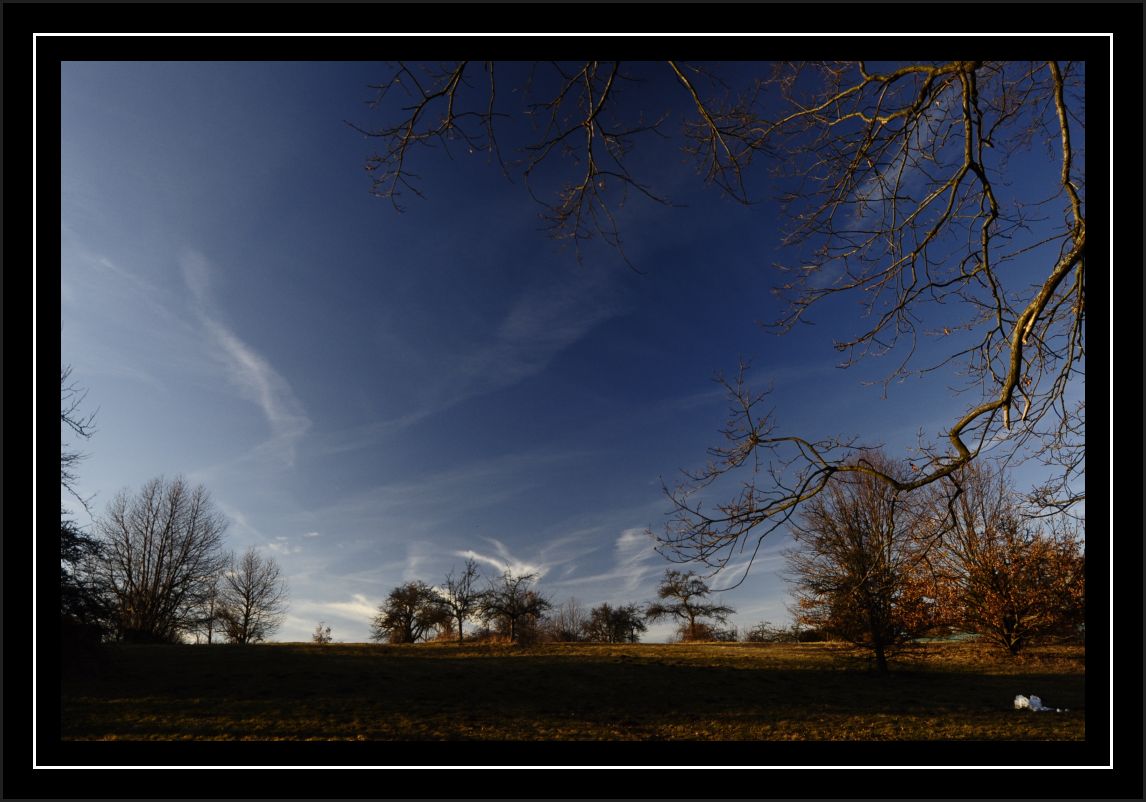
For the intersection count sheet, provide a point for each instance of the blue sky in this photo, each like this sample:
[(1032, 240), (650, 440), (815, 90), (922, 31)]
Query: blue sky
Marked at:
[(371, 396)]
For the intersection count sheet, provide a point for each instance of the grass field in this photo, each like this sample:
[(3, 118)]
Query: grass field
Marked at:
[(566, 691)]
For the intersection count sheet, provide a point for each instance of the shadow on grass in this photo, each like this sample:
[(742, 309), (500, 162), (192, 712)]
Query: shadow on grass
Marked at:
[(645, 693)]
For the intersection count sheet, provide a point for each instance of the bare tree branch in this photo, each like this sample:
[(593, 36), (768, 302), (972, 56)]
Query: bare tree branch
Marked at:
[(912, 190), (71, 401), (897, 207)]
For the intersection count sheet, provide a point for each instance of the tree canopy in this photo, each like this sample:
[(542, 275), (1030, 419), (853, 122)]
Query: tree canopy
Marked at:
[(409, 614), (162, 554), (684, 596)]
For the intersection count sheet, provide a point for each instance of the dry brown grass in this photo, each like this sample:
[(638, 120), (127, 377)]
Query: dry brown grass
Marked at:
[(441, 691)]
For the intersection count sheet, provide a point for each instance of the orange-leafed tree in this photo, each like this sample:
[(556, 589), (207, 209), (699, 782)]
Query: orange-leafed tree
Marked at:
[(1010, 578)]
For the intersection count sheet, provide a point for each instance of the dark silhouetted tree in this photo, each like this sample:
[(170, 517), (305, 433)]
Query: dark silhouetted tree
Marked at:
[(566, 623), (410, 613), (84, 598), (162, 552), (620, 624), (513, 607), (321, 633), (252, 598), (76, 422), (210, 618), (461, 595), (684, 597), (83, 594)]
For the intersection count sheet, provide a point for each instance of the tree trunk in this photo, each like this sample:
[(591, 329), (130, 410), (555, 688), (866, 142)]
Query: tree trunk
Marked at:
[(880, 658)]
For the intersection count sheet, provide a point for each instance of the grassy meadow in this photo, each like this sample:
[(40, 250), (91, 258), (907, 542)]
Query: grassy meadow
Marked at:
[(566, 692)]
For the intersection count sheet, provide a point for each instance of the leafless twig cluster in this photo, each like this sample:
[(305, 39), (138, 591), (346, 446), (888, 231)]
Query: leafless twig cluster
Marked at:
[(946, 198)]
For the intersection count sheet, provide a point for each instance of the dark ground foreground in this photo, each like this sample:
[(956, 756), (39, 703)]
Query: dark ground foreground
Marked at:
[(567, 691)]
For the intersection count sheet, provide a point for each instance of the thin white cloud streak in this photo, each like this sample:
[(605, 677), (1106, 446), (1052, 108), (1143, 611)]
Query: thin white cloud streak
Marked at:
[(476, 486), (352, 615), (544, 321), (98, 291), (635, 562), (360, 606), (562, 551), (240, 518), (726, 578), (759, 377), (250, 372), (505, 561)]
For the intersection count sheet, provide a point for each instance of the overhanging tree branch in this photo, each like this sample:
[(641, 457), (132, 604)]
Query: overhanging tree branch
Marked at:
[(915, 190)]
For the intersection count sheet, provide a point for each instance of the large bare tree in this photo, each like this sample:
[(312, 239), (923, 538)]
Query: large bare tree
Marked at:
[(946, 198), (860, 570), (252, 597), (162, 552)]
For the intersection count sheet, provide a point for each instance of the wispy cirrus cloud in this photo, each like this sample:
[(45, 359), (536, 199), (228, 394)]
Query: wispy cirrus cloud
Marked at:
[(504, 561), (546, 319), (358, 607), (250, 372), (634, 562), (424, 501)]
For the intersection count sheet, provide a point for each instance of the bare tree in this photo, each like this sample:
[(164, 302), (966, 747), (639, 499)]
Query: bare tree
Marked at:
[(684, 597), (1008, 577), (461, 595), (860, 570), (83, 425), (321, 633), (84, 601), (252, 597), (566, 623), (947, 198), (454, 106), (900, 198), (513, 606), (409, 614), (84, 597), (162, 553), (210, 618), (767, 632)]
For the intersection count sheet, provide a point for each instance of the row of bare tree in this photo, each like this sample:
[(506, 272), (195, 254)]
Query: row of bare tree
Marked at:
[(510, 607), (156, 571)]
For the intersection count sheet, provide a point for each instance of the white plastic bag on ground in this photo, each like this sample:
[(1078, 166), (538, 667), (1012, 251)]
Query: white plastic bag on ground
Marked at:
[(1036, 704)]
